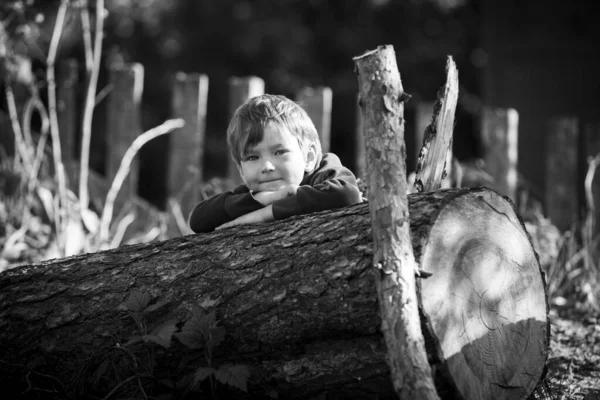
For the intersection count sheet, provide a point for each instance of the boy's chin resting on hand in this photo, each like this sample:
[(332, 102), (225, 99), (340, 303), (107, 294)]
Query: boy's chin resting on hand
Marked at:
[(269, 197), (264, 214)]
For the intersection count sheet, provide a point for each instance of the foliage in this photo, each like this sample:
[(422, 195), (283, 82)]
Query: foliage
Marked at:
[(201, 332), (41, 179)]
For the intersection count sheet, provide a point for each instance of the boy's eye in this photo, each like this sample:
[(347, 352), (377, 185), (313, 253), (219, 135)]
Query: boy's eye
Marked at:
[(280, 152), (251, 158)]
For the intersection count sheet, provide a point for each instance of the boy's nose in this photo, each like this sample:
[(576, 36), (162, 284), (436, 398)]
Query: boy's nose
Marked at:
[(267, 166)]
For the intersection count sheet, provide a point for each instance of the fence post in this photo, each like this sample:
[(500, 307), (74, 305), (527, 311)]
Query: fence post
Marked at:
[(68, 107), (123, 123), (240, 90), (317, 103), (592, 149), (561, 172), (499, 138), (186, 151)]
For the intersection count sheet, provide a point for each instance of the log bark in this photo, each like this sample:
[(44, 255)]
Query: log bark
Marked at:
[(298, 301), (382, 105)]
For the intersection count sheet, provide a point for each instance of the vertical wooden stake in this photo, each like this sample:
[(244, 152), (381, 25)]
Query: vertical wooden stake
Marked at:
[(240, 90), (68, 108), (381, 101), (317, 103), (499, 131), (561, 172), (123, 122), (189, 100), (437, 143)]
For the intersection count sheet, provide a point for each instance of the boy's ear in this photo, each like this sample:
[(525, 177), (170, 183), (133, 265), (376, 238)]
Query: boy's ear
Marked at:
[(311, 158)]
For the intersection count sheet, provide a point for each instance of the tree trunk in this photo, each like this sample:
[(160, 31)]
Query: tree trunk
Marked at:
[(298, 301), (382, 105)]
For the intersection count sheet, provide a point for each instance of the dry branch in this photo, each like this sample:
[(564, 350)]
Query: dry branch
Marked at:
[(381, 102), (437, 142)]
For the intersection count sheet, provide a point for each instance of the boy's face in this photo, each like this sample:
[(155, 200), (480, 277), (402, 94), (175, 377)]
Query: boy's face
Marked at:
[(277, 161)]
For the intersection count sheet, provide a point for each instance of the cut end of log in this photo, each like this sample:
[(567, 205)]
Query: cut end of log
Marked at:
[(485, 303)]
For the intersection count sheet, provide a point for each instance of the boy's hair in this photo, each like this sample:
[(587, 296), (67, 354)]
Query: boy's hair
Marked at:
[(249, 120)]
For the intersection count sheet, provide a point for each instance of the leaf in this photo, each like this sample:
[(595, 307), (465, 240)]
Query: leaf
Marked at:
[(196, 330), (234, 375), (162, 334), (158, 340), (90, 220), (155, 306), (133, 340), (201, 374), (137, 301), (216, 336), (191, 335)]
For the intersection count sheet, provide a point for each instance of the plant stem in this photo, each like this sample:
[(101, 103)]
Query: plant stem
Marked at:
[(87, 37), (21, 148), (88, 112), (123, 170), (62, 211)]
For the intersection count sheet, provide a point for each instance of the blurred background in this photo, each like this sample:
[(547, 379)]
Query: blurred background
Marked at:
[(540, 58)]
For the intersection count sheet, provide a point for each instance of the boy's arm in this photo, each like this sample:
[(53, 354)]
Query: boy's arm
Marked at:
[(222, 208), (264, 214), (332, 186)]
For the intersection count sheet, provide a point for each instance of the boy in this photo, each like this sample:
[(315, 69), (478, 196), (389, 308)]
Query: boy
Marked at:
[(278, 154)]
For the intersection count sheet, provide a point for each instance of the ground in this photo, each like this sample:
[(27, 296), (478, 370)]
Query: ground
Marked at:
[(574, 359)]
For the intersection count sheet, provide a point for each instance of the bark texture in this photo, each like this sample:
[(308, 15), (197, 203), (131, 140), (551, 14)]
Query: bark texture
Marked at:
[(298, 301), (381, 102)]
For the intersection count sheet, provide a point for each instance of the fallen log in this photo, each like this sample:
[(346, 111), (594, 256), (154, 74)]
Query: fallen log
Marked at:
[(298, 301)]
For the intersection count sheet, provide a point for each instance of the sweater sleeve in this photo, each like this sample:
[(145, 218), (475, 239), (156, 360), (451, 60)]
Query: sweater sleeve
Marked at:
[(222, 208), (331, 186)]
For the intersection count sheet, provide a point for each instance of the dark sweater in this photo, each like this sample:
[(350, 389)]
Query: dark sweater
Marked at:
[(331, 185)]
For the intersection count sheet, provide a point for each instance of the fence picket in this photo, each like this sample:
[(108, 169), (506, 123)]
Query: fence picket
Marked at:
[(317, 103), (499, 137), (240, 90), (561, 172), (189, 102), (123, 122)]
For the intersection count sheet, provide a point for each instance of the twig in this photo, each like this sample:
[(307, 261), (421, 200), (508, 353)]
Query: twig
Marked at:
[(589, 195), (87, 37), (121, 228), (103, 93), (26, 123), (123, 170), (56, 150), (88, 112), (35, 103), (178, 214), (22, 151)]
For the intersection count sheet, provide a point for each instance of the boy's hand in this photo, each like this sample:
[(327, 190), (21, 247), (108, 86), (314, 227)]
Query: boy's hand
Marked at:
[(265, 214), (269, 197)]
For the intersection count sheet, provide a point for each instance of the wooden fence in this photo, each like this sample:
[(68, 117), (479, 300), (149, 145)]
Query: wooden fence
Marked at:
[(564, 155)]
